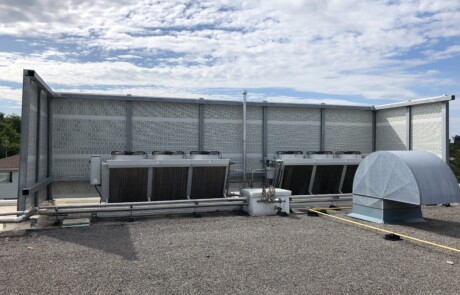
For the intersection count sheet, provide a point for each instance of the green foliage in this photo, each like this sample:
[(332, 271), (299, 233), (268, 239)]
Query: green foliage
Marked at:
[(10, 127), (454, 153)]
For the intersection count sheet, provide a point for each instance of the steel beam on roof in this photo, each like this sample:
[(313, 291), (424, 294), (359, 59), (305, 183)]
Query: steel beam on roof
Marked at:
[(201, 130), (39, 81), (416, 102), (322, 130), (129, 125), (34, 76), (313, 106), (49, 152), (264, 132), (36, 187), (374, 131), (24, 140), (70, 178), (445, 131), (409, 128), (204, 101), (37, 144)]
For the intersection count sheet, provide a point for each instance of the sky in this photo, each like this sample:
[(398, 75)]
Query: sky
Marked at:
[(311, 51)]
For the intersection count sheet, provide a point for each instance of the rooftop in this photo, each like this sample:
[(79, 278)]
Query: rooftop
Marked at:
[(234, 254), (10, 163)]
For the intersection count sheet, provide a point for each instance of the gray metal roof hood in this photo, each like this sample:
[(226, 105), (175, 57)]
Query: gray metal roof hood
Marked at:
[(413, 177)]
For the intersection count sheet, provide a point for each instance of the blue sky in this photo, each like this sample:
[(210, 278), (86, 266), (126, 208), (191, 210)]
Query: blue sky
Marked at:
[(337, 51)]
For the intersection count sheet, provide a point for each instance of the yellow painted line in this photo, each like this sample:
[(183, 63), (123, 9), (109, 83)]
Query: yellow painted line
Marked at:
[(387, 231), (333, 208)]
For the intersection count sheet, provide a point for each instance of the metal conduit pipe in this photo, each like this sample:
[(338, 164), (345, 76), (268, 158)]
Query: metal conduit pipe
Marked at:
[(319, 196), (152, 203), (60, 211), (321, 200), (245, 92), (14, 213), (318, 204), (252, 174), (19, 219), (325, 202)]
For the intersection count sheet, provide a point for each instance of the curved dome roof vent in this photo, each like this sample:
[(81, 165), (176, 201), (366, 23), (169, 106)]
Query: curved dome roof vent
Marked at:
[(390, 186)]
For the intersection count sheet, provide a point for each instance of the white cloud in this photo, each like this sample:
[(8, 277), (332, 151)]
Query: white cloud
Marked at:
[(216, 76), (449, 52), (11, 94), (345, 47)]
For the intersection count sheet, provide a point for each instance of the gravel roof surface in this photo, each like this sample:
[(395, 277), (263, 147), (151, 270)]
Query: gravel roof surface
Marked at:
[(233, 254)]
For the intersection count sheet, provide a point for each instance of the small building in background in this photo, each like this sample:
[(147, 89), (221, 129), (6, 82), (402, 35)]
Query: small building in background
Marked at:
[(9, 175)]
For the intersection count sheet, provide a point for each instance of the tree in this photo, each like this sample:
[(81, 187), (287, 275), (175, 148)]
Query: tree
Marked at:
[(9, 135), (454, 153), (15, 122)]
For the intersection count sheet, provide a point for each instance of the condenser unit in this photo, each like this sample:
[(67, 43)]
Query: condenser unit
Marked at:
[(164, 176), (320, 172)]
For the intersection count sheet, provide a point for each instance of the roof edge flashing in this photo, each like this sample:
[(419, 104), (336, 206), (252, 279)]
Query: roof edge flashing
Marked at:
[(441, 98), (73, 95)]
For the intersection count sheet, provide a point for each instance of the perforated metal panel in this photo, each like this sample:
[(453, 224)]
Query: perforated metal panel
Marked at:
[(73, 189), (71, 167), (32, 153), (43, 147), (165, 126), (293, 129), (348, 130), (391, 129), (83, 127), (427, 128), (254, 138), (223, 131)]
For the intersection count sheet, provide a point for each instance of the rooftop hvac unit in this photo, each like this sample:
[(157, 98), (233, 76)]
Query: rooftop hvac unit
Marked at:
[(288, 154), (165, 176), (128, 184), (390, 186), (160, 155), (319, 155), (127, 155), (208, 181), (319, 173), (205, 155), (169, 183)]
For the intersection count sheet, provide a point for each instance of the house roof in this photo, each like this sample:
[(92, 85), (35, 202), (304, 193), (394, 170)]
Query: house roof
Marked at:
[(10, 163)]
